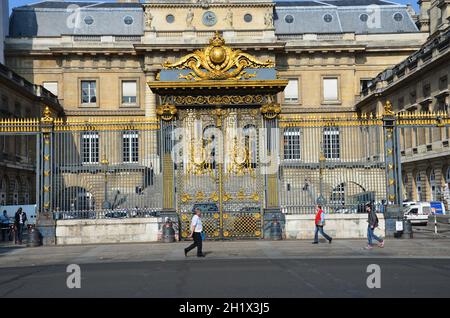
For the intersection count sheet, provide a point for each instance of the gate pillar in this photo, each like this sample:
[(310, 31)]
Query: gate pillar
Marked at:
[(270, 163), (393, 210), (45, 221), (167, 113)]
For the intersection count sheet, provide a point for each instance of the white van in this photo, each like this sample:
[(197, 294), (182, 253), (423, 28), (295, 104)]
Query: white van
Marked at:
[(418, 213), (29, 209)]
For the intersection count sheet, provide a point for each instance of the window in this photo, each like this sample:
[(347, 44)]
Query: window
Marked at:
[(129, 89), (426, 90), (52, 87), (364, 84), (170, 18), (88, 20), (291, 91), (331, 143), (419, 187), (434, 187), (128, 20), (338, 195), (88, 92), (90, 147), (327, 18), (412, 97), (330, 89), (443, 83), (289, 18), (130, 147), (364, 17), (292, 140), (248, 18), (398, 17)]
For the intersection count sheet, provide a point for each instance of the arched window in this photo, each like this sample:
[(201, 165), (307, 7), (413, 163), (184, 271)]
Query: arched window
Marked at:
[(15, 192), (337, 197), (433, 186), (3, 188), (292, 140), (419, 187)]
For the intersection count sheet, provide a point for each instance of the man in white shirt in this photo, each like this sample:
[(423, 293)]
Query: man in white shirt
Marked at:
[(196, 234)]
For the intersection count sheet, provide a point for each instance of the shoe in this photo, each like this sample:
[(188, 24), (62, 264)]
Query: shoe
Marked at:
[(368, 247), (315, 242), (330, 240), (381, 244), (185, 252), (201, 255)]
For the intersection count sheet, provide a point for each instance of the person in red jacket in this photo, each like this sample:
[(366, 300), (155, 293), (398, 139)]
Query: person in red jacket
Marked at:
[(320, 222)]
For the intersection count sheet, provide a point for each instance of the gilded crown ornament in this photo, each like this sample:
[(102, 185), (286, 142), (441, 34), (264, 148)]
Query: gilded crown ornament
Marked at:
[(217, 62)]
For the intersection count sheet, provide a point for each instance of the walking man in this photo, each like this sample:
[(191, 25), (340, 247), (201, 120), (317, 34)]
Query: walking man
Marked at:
[(19, 223), (196, 234), (320, 223), (373, 223)]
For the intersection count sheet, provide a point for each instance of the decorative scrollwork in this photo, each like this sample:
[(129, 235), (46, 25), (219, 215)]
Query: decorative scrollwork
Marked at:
[(271, 111), (217, 62), (167, 112)]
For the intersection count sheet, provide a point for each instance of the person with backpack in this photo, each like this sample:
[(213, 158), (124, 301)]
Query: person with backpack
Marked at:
[(320, 223), (19, 223), (196, 234), (373, 224)]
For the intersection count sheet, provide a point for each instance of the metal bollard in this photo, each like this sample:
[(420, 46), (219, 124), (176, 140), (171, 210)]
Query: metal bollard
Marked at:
[(275, 230), (168, 233), (34, 237)]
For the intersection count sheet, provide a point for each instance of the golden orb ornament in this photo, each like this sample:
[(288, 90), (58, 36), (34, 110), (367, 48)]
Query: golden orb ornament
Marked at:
[(217, 55)]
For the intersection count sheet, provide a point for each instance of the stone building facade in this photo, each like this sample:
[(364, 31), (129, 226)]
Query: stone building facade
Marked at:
[(99, 58), (419, 84), (20, 99)]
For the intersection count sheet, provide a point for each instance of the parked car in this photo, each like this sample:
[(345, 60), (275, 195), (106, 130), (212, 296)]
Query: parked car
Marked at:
[(418, 213)]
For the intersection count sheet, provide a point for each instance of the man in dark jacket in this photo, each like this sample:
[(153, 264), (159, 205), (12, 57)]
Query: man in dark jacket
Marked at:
[(373, 223), (19, 222)]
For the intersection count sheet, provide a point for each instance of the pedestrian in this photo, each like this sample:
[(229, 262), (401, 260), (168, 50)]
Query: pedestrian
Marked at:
[(373, 224), (320, 223), (19, 223), (4, 224), (196, 234)]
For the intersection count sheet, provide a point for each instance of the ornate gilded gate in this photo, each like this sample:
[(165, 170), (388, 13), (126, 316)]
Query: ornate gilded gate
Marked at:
[(216, 100), (219, 171)]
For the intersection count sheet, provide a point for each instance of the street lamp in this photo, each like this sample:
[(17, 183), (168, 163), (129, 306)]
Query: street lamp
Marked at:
[(321, 199), (105, 163)]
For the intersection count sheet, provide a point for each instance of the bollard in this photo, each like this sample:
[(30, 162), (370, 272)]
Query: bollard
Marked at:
[(168, 233), (275, 230), (34, 237)]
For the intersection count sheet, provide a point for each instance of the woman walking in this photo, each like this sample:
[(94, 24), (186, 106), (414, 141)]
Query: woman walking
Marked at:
[(320, 223)]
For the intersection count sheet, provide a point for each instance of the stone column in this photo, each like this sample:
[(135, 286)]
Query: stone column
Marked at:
[(150, 97)]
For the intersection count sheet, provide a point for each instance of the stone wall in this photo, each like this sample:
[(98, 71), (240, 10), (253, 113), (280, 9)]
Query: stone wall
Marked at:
[(107, 231), (348, 226)]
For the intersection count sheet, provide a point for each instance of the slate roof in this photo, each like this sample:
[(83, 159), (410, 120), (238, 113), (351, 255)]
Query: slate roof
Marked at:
[(56, 18)]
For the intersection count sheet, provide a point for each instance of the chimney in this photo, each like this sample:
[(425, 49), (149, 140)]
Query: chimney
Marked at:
[(424, 16)]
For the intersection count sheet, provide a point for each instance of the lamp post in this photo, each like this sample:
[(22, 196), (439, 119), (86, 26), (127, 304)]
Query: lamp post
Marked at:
[(105, 164), (321, 199)]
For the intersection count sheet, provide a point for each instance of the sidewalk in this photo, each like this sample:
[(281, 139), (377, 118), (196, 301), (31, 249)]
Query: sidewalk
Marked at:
[(13, 256)]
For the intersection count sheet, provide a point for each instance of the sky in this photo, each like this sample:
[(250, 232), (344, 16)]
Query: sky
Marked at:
[(18, 3)]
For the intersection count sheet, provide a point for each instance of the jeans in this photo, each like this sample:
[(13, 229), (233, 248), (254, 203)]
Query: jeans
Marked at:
[(371, 236), (19, 232), (197, 243), (316, 234)]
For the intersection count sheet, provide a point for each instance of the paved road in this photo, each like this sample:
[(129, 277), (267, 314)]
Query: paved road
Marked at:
[(234, 278)]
